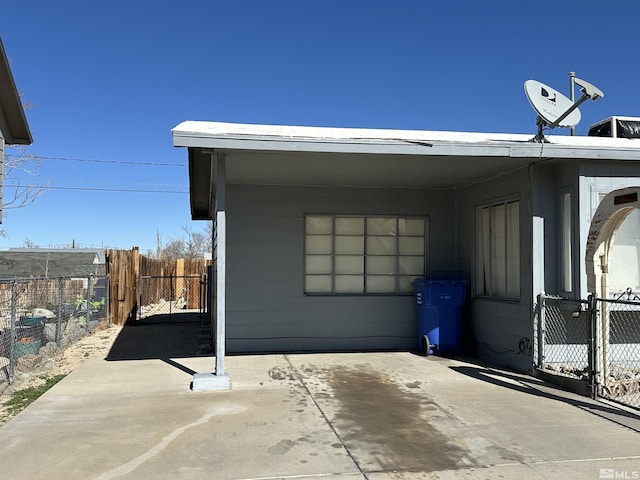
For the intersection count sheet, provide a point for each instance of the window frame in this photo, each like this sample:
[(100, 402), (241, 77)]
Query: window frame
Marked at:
[(373, 265), (567, 238), (487, 257)]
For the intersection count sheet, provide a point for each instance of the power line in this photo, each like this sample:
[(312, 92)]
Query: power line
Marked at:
[(17, 184), (144, 184), (132, 190), (113, 190), (87, 160)]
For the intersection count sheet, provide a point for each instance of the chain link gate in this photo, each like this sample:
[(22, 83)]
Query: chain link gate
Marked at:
[(563, 337), (619, 349), (595, 341), (162, 298)]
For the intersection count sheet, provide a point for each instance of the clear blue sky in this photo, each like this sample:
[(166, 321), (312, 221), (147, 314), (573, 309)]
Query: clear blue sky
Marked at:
[(109, 80)]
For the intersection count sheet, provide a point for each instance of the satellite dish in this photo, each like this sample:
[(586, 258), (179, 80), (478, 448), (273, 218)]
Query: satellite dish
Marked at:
[(553, 108), (550, 104)]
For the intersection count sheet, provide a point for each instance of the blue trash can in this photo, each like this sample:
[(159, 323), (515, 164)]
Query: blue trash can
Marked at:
[(439, 303)]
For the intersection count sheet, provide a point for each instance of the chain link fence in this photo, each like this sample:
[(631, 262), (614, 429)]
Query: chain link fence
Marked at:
[(596, 341), (563, 336), (619, 350), (162, 297), (41, 316)]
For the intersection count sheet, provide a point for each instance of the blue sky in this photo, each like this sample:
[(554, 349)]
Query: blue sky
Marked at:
[(109, 80)]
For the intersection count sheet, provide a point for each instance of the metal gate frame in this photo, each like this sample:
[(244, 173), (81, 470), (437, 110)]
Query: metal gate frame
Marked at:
[(168, 295), (594, 342)]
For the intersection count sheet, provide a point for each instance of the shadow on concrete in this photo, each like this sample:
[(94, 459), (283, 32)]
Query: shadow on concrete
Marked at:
[(161, 340), (539, 388)]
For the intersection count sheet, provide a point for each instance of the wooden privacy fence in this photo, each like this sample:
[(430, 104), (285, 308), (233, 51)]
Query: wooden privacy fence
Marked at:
[(126, 267)]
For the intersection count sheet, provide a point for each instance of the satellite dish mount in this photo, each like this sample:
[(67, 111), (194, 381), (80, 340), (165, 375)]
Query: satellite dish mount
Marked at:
[(553, 108)]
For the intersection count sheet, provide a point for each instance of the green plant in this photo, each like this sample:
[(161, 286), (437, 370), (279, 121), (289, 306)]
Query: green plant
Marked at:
[(23, 398)]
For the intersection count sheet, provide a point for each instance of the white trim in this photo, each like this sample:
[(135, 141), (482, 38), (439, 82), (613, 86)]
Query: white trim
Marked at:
[(408, 142), (221, 263), (221, 280)]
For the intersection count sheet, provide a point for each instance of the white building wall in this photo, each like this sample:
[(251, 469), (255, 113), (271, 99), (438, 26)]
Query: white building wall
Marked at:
[(596, 180)]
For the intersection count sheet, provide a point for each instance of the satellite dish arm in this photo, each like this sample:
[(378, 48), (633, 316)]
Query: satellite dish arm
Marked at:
[(588, 91), (584, 97)]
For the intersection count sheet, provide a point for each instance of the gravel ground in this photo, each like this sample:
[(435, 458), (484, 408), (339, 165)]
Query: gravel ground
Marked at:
[(61, 361)]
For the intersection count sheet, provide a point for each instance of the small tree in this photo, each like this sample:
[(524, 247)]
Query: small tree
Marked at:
[(21, 180), (29, 244), (21, 184), (191, 244)]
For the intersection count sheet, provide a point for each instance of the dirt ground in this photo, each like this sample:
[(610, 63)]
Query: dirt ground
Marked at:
[(61, 362)]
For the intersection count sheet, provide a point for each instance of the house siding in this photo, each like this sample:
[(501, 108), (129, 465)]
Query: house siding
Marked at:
[(596, 180), (266, 306), (1, 170), (496, 327)]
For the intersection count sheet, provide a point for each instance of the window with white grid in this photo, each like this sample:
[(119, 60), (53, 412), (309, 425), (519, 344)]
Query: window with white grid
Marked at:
[(361, 255)]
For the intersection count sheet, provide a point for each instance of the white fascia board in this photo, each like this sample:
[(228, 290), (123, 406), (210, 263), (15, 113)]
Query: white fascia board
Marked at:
[(547, 150), (217, 135), (295, 145)]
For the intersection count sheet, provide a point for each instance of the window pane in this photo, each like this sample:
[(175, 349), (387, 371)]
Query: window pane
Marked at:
[(567, 235), (483, 252), (318, 224), (513, 250), (349, 284), (350, 264), (349, 226), (319, 264), (405, 283), (381, 226), (350, 244), (381, 264), (498, 251), (381, 245), (350, 254), (411, 245), (412, 266), (381, 284), (318, 284), (319, 244), (411, 226)]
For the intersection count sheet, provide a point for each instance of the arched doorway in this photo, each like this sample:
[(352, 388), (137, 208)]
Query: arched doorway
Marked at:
[(613, 244), (613, 262)]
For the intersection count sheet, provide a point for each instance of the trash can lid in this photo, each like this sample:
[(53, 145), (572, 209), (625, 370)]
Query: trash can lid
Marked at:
[(442, 280)]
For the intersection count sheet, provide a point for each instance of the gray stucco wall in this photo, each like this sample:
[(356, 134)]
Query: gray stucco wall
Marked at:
[(266, 306)]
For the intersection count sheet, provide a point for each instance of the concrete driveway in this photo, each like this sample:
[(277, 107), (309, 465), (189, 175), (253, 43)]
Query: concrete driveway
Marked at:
[(374, 416)]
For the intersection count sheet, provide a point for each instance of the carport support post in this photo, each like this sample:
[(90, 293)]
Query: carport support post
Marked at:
[(221, 229), (218, 380)]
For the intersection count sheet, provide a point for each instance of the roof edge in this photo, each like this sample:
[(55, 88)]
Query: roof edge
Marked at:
[(19, 132)]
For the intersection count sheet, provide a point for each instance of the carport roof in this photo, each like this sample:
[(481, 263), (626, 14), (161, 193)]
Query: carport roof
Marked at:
[(355, 157)]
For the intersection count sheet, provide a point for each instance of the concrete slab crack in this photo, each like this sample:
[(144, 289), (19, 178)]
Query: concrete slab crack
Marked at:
[(166, 441)]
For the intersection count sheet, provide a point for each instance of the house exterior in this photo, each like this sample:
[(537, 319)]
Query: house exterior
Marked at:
[(319, 231), (14, 129), (51, 262)]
